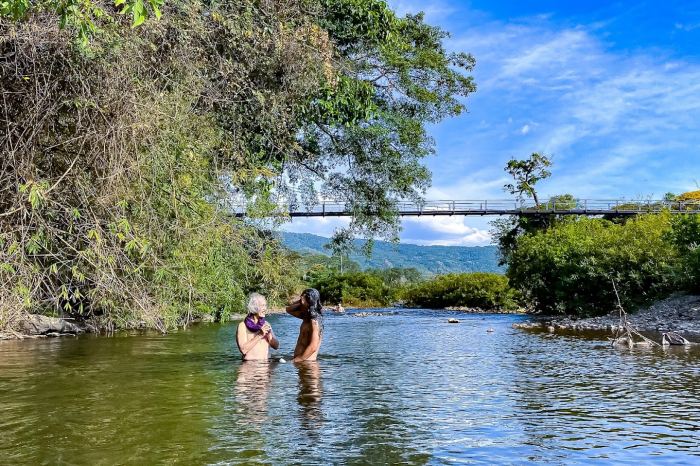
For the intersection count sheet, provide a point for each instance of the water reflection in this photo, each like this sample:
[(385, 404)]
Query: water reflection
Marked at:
[(310, 394), (253, 390), (402, 389)]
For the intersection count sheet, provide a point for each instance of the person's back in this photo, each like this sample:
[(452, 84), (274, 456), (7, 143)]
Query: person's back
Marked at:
[(254, 336)]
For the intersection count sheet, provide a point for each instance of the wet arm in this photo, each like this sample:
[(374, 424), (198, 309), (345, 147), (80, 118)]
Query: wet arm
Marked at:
[(296, 310), (272, 340)]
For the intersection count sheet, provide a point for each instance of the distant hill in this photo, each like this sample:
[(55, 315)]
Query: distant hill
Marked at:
[(427, 259)]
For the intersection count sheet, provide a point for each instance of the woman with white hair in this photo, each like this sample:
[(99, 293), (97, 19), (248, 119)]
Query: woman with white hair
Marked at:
[(254, 336)]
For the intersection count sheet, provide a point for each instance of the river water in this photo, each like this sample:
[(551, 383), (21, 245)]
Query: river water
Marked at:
[(397, 388)]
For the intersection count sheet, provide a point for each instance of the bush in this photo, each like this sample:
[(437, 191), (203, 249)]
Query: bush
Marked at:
[(482, 290), (685, 236), (355, 289), (569, 268), (689, 196)]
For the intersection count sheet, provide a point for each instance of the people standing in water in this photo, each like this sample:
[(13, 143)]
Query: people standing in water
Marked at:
[(308, 309), (254, 336)]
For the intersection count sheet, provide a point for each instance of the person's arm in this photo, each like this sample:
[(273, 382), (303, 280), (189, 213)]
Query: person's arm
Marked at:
[(245, 346), (297, 310), (270, 336), (272, 340), (313, 346)]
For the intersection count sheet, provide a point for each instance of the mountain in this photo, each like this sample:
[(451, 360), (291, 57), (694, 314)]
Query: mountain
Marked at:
[(428, 259)]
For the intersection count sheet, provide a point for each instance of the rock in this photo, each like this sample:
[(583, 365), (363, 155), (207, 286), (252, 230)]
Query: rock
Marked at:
[(550, 329), (453, 321), (490, 330), (36, 324), (371, 314), (673, 338)]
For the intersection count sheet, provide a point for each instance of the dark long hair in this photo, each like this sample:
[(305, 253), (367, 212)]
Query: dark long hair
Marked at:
[(313, 297)]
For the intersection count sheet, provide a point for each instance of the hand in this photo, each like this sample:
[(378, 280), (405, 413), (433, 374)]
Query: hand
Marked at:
[(296, 299), (267, 328)]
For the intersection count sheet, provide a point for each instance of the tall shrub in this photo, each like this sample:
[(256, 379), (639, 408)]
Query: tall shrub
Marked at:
[(569, 268)]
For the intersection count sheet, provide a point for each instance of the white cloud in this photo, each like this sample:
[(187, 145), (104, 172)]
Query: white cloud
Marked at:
[(525, 129), (687, 27), (443, 231)]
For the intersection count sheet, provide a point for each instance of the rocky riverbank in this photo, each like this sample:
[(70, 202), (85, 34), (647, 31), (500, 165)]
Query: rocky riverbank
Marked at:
[(38, 326), (678, 313), (478, 310)]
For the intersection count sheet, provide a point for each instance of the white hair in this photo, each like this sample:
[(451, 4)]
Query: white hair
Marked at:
[(254, 300)]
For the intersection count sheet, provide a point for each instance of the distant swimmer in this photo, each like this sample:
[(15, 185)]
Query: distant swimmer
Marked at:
[(308, 309), (255, 336)]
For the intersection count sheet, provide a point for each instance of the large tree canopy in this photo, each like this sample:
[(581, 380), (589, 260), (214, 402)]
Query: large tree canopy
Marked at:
[(124, 143)]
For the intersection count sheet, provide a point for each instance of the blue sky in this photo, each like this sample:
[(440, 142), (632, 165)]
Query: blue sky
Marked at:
[(611, 90)]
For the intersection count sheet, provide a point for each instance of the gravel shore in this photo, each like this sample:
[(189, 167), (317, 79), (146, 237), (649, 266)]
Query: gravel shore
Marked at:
[(679, 313)]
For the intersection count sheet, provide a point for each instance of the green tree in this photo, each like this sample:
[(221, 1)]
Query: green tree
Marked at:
[(506, 231), (363, 136), (122, 152), (354, 289), (527, 173)]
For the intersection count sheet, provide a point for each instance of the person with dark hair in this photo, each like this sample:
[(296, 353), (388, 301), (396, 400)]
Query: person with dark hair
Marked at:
[(308, 309)]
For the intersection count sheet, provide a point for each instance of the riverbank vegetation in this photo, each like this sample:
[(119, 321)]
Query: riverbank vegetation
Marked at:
[(487, 291), (370, 288), (126, 138), (567, 264), (382, 287)]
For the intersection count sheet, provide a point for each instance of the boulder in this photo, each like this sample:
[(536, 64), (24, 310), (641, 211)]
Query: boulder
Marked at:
[(453, 321), (36, 324)]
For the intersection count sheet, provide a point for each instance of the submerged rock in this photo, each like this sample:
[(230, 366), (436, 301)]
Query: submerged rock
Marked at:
[(673, 338)]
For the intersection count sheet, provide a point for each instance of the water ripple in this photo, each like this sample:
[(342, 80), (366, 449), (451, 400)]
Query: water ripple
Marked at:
[(406, 388)]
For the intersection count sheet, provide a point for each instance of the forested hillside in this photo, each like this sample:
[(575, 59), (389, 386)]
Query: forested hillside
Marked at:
[(429, 260)]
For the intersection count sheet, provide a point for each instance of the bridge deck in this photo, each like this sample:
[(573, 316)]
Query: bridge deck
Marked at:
[(507, 207)]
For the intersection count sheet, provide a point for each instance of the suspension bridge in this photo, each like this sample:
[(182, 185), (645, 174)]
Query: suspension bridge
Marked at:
[(592, 207)]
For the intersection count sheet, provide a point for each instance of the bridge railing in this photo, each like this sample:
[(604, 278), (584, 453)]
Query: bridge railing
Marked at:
[(502, 207)]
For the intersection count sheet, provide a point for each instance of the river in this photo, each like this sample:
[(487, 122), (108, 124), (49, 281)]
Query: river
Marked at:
[(396, 388)]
